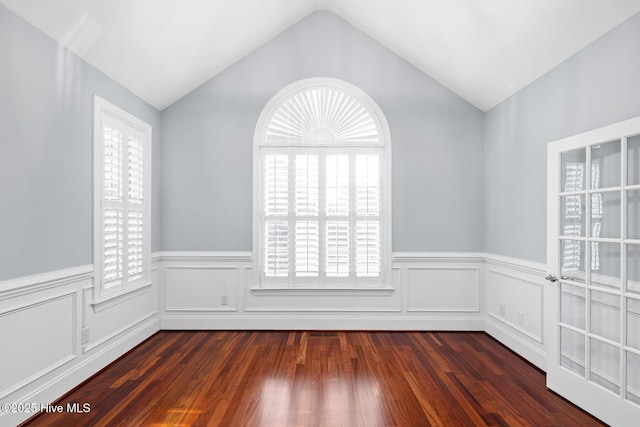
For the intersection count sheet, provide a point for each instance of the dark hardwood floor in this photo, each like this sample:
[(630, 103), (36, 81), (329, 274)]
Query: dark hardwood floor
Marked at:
[(318, 379)]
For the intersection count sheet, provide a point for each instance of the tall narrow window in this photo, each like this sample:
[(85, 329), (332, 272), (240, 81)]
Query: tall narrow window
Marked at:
[(322, 188), (122, 145)]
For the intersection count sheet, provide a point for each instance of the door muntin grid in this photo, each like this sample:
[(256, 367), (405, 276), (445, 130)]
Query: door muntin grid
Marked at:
[(599, 264)]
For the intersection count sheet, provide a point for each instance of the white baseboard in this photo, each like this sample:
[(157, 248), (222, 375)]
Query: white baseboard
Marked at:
[(387, 323), (515, 342)]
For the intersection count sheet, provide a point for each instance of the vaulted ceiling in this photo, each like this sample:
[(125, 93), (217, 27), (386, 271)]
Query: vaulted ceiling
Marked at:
[(483, 50)]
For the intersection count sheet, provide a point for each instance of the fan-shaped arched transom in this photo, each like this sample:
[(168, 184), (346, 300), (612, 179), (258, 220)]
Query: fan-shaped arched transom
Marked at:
[(323, 114)]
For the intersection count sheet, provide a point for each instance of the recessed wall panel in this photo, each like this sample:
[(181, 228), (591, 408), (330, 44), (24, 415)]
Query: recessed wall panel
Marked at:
[(201, 288), (443, 289), (36, 339)]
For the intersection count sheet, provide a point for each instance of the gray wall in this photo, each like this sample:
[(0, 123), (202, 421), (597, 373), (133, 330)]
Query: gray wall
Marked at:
[(45, 151), (436, 142), (598, 86)]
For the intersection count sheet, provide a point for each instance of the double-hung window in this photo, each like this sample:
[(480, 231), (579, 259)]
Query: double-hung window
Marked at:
[(122, 146), (322, 188)]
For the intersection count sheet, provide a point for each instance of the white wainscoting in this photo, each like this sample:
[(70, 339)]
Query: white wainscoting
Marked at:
[(42, 318), (514, 294), (213, 290)]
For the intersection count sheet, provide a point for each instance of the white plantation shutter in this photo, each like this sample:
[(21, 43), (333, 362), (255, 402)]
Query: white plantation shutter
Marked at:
[(276, 250), (341, 241), (368, 243), (337, 259), (368, 185), (337, 185), (112, 207), (307, 248), (321, 191), (113, 142), (113, 247), (307, 185), (122, 251), (368, 248), (135, 214), (276, 185)]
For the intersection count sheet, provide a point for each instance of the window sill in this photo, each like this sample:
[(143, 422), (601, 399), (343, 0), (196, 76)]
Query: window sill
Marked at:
[(316, 291), (111, 300)]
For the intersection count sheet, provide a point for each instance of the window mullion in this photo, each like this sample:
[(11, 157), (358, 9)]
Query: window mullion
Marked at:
[(291, 217), (352, 215), (125, 206), (322, 217)]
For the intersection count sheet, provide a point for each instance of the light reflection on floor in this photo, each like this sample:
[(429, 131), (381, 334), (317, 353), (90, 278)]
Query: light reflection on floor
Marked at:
[(347, 403)]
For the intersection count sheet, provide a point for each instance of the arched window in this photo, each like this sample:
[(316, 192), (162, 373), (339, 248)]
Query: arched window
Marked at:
[(322, 184)]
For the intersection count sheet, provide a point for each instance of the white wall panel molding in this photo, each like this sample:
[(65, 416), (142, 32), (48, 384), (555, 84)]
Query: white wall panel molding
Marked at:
[(47, 322), (316, 292), (232, 257), (33, 350), (516, 299), (149, 318), (529, 267), (202, 287), (194, 284), (119, 299), (30, 284), (514, 292), (49, 391), (443, 289), (444, 257)]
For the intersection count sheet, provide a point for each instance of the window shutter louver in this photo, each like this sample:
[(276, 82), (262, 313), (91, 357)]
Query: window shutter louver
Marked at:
[(135, 216), (113, 246), (367, 248), (307, 243), (276, 249), (337, 249), (367, 185), (337, 185), (306, 185), (112, 206), (276, 185)]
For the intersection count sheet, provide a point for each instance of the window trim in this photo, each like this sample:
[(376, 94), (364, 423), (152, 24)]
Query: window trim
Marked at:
[(101, 296), (383, 144)]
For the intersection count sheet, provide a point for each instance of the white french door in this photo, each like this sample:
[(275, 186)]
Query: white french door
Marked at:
[(593, 255)]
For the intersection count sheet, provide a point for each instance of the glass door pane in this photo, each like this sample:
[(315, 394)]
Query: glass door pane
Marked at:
[(633, 323), (633, 214), (633, 269), (573, 215), (605, 165), (572, 305), (605, 365), (605, 315), (633, 378), (633, 160), (572, 351), (573, 170), (605, 264), (572, 260), (605, 215)]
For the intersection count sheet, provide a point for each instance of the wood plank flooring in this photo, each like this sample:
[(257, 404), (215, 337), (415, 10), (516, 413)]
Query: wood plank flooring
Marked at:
[(281, 378)]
